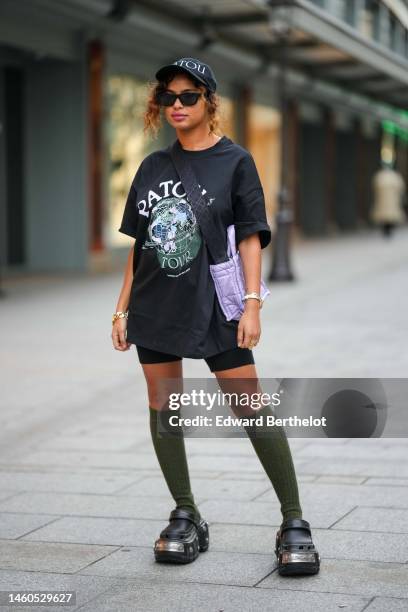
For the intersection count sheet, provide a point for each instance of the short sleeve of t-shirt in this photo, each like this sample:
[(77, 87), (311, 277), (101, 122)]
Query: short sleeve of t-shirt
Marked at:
[(130, 216), (249, 203), (130, 213)]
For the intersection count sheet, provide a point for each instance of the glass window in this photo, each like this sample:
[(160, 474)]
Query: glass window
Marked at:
[(349, 12), (264, 144), (127, 146), (393, 33), (369, 22), (376, 21)]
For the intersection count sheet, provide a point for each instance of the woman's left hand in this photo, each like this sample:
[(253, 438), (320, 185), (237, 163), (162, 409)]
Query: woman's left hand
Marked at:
[(249, 327)]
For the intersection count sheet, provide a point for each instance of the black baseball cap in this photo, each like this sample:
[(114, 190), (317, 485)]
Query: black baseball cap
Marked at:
[(192, 66)]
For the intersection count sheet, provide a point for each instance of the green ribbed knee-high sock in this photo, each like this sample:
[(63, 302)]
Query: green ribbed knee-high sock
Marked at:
[(171, 454), (274, 453)]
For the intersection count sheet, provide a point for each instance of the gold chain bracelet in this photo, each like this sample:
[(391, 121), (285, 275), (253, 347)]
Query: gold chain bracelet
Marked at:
[(119, 315)]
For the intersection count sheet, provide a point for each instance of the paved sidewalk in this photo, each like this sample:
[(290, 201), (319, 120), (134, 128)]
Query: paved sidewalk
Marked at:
[(81, 495)]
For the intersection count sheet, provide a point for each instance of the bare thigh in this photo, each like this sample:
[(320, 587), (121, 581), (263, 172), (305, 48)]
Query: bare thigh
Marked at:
[(232, 380), (242, 379), (155, 375)]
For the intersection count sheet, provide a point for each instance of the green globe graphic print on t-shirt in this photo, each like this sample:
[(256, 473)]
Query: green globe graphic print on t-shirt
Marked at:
[(174, 232)]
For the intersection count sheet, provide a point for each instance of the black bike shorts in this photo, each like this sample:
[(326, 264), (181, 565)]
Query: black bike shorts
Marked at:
[(221, 361)]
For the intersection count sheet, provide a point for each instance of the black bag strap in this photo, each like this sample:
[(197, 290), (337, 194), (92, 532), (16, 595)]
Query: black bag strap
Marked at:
[(198, 202)]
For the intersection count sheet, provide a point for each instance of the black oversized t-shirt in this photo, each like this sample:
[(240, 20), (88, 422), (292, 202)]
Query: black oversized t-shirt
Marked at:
[(173, 306)]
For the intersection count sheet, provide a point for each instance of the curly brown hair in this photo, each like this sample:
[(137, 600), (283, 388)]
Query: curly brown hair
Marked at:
[(152, 117)]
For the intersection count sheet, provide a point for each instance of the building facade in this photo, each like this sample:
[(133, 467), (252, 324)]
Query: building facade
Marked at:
[(73, 85)]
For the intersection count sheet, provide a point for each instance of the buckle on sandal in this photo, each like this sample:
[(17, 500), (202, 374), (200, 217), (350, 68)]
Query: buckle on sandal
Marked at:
[(298, 557)]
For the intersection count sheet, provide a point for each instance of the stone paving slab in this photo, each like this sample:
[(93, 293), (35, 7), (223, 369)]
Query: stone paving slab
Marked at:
[(384, 442), (95, 530), (223, 462), (261, 513), (204, 487), (352, 480), (72, 504), (244, 476), (387, 482), (5, 494), (135, 474), (86, 588), (318, 492), (242, 538), (361, 578), (84, 428), (145, 475), (128, 410), (68, 483), (228, 447), (121, 427), (210, 567), (49, 556), (13, 526), (154, 596), (362, 546), (106, 443), (388, 453), (368, 518), (352, 490), (388, 604), (236, 475), (132, 419), (220, 463), (86, 459), (330, 543), (352, 467), (348, 443)]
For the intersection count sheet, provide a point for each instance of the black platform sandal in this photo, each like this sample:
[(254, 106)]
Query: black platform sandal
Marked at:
[(294, 548), (182, 539)]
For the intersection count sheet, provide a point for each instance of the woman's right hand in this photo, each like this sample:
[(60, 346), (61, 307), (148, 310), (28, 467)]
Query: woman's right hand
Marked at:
[(119, 335)]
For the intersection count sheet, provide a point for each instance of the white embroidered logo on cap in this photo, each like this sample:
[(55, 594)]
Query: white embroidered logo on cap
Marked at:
[(191, 65)]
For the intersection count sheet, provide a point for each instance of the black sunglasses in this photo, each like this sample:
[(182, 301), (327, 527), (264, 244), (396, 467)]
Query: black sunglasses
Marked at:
[(188, 98)]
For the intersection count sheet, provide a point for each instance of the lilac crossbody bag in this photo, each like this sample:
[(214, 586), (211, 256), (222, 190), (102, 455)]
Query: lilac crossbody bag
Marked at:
[(227, 272)]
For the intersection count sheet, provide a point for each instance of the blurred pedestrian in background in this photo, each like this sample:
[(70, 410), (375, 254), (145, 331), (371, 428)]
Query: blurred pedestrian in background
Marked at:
[(389, 192)]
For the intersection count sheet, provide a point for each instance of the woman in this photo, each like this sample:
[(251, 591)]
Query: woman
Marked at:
[(168, 307)]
